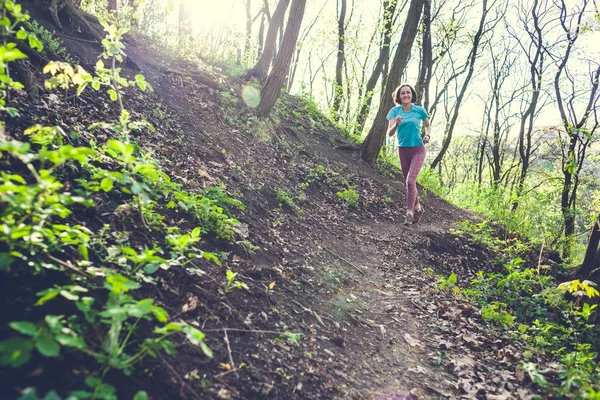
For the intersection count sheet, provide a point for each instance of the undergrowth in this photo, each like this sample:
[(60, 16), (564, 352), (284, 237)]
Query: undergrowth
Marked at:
[(94, 275)]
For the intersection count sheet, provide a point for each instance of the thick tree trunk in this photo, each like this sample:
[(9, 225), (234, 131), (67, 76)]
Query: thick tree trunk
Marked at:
[(281, 66), (262, 66), (84, 21), (591, 261), (374, 140), (389, 8)]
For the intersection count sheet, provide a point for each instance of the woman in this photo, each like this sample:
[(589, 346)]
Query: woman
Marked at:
[(405, 119)]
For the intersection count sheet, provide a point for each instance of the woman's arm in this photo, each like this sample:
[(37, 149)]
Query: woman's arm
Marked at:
[(392, 124), (427, 130)]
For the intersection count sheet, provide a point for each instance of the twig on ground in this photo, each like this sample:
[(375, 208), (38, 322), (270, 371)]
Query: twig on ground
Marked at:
[(346, 261), (226, 339), (177, 376)]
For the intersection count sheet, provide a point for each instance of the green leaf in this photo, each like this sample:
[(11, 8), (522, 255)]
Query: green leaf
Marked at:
[(21, 35), (207, 351), (96, 85), (52, 395), (106, 184), (141, 395), (113, 95), (15, 352), (47, 295), (24, 327), (5, 260), (47, 346), (151, 268)]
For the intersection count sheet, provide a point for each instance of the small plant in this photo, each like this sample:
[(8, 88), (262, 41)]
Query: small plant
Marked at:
[(52, 44), (284, 198), (349, 197), (231, 282), (448, 283)]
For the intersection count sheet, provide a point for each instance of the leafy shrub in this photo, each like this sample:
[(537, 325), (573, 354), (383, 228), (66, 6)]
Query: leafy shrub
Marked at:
[(349, 197)]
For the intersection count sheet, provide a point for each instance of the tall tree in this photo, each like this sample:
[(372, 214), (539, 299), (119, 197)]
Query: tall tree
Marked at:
[(338, 85), (578, 133), (591, 261), (281, 66), (374, 140), (389, 8), (262, 66), (471, 70), (533, 50), (426, 64)]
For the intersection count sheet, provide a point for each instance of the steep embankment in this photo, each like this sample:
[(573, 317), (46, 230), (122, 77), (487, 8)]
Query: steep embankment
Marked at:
[(358, 286)]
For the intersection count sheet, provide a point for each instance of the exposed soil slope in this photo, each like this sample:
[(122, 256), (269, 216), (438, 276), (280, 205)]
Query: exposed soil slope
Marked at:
[(357, 284)]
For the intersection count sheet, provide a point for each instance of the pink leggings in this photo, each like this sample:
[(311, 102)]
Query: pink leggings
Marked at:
[(411, 161)]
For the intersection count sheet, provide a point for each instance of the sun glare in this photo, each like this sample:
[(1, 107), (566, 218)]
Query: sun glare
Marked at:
[(210, 14)]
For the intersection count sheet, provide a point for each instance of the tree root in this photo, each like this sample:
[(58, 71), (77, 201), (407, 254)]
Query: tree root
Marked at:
[(86, 22), (27, 78)]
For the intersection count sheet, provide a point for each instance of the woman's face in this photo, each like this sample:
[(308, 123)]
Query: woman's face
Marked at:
[(405, 95)]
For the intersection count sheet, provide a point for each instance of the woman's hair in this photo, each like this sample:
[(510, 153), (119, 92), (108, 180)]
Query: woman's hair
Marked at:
[(396, 94)]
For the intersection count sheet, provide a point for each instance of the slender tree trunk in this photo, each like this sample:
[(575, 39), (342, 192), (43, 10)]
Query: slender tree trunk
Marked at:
[(426, 65), (338, 88), (467, 81), (389, 8), (261, 36), (262, 66), (374, 140), (281, 66), (526, 126), (248, 28)]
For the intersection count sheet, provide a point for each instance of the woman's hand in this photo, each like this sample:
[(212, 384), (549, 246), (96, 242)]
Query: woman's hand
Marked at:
[(426, 139), (398, 120)]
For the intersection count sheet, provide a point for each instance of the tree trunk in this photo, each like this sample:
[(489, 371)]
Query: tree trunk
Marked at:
[(84, 21), (374, 140), (112, 5), (578, 140), (536, 66), (590, 261), (262, 66), (426, 66), (389, 8), (248, 28), (338, 89), (281, 66), (459, 99)]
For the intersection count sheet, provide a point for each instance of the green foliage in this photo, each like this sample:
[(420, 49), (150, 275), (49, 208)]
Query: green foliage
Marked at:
[(534, 311), (349, 197), (53, 46), (103, 271), (13, 16), (448, 283), (231, 282), (285, 198)]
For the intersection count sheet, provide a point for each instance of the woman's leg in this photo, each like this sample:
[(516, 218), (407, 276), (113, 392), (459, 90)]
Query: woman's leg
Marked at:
[(411, 161), (416, 163)]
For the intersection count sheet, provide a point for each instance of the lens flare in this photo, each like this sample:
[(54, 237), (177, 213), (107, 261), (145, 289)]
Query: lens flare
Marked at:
[(251, 96)]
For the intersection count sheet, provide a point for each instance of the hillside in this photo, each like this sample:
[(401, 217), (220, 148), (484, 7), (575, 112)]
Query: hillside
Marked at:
[(359, 287)]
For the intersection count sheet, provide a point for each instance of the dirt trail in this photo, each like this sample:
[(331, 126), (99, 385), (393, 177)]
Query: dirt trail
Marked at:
[(357, 285), (365, 295)]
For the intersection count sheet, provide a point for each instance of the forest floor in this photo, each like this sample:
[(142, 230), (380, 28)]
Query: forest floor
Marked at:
[(359, 286)]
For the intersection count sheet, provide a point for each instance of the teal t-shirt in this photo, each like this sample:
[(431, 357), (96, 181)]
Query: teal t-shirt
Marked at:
[(409, 130)]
